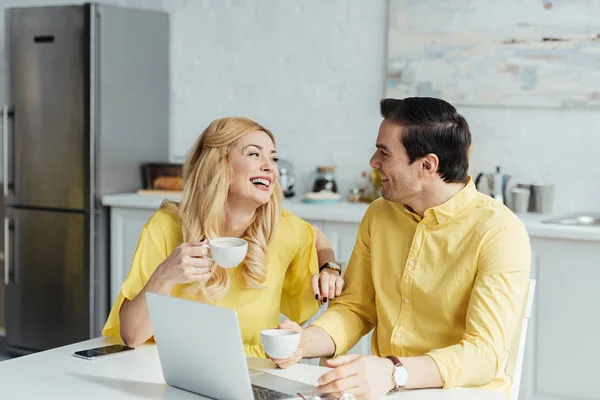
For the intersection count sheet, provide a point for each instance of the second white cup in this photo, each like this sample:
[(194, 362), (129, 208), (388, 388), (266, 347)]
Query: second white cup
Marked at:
[(227, 252), (280, 343)]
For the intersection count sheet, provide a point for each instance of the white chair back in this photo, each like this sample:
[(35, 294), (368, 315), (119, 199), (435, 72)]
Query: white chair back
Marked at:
[(514, 366)]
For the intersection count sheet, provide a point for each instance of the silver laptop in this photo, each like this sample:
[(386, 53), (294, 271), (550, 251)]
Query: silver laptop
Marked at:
[(201, 351)]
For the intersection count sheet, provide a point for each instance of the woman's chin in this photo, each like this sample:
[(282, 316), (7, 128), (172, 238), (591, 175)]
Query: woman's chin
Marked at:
[(262, 198)]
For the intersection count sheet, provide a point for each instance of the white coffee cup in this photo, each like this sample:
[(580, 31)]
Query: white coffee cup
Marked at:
[(227, 252), (280, 343)]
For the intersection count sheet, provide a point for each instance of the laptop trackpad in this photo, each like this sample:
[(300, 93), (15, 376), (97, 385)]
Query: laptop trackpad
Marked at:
[(280, 384)]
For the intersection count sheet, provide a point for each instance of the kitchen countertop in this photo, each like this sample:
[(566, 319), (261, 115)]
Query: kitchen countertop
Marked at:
[(339, 212), (353, 213)]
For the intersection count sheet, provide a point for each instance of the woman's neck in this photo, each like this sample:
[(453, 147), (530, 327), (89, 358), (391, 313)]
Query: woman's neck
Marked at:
[(239, 217)]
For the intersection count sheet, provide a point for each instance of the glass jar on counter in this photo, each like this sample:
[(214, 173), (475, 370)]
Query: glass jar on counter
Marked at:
[(354, 196), (325, 179)]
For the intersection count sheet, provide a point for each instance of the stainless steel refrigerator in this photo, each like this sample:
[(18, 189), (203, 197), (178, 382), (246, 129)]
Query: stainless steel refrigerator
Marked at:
[(87, 103)]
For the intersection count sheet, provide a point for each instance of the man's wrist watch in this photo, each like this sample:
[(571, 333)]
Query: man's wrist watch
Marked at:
[(332, 266), (400, 373)]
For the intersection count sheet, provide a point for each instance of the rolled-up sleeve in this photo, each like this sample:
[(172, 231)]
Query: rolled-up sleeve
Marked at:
[(495, 308), (353, 314)]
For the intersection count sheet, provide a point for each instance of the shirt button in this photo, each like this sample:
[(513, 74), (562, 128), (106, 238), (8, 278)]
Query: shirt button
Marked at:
[(424, 226), (398, 335), (406, 300), (411, 263), (442, 218)]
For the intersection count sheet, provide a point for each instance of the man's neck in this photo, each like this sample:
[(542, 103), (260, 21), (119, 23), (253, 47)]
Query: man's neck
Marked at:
[(435, 195), (239, 217)]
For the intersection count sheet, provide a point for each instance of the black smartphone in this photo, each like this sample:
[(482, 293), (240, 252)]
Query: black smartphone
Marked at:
[(92, 354)]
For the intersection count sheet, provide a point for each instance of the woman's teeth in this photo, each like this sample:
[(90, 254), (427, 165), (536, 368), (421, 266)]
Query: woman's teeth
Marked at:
[(260, 181)]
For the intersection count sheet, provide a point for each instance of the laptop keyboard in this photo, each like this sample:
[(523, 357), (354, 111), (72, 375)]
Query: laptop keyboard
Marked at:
[(261, 393)]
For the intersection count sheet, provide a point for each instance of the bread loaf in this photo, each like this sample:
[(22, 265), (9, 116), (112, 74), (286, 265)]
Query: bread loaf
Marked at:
[(168, 183)]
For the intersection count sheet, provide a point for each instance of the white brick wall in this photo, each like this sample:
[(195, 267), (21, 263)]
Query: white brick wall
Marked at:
[(309, 70), (557, 146), (313, 72)]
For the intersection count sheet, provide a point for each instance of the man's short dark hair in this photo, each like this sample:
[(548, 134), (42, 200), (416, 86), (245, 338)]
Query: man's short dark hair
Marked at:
[(432, 126)]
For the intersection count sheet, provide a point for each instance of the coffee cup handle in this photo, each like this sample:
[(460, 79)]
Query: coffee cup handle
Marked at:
[(206, 246)]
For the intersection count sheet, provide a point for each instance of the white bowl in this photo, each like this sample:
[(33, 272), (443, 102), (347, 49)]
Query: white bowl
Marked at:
[(280, 343)]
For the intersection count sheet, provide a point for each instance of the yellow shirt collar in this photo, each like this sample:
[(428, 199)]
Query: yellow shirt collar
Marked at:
[(449, 209)]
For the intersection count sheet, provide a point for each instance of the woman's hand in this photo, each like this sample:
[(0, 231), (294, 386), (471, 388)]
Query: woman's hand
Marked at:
[(327, 285), (185, 265)]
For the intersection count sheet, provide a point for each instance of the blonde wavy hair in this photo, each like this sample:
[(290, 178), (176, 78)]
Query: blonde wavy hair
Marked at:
[(207, 177)]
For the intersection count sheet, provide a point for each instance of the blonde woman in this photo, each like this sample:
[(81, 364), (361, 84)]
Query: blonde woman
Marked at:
[(231, 189)]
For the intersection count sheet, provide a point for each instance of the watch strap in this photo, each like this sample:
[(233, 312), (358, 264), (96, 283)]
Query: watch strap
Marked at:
[(332, 266), (397, 363)]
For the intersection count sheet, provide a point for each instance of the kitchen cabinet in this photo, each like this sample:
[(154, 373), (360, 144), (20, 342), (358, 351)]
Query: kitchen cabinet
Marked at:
[(562, 346), (125, 227), (342, 236)]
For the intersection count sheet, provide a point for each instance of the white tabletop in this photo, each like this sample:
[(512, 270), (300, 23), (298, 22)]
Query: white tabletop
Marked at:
[(56, 374)]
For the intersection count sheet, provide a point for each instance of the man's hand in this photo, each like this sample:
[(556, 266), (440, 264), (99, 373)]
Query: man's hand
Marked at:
[(286, 362), (368, 377)]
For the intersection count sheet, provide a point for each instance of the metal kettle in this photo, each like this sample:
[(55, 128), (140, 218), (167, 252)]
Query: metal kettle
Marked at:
[(485, 183), (287, 178)]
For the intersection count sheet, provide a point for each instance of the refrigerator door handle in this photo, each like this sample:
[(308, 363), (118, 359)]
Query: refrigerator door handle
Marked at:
[(6, 251), (5, 148)]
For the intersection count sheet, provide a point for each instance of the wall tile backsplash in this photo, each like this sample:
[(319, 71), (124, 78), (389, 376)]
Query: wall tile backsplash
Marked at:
[(312, 71)]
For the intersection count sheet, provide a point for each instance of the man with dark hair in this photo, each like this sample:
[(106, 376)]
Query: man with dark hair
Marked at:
[(439, 270)]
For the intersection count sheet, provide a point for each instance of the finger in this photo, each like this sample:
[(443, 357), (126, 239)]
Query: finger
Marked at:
[(197, 251), (340, 386), (194, 244), (341, 360), (287, 324), (197, 274), (199, 277), (199, 271), (284, 362), (285, 365), (339, 285), (332, 288), (278, 360), (315, 286), (341, 372), (324, 278), (357, 391), (198, 262)]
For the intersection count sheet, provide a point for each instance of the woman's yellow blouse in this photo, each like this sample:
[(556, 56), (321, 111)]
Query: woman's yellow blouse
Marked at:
[(291, 257)]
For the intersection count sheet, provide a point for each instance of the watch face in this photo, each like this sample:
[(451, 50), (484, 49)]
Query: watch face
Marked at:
[(333, 266), (401, 376)]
